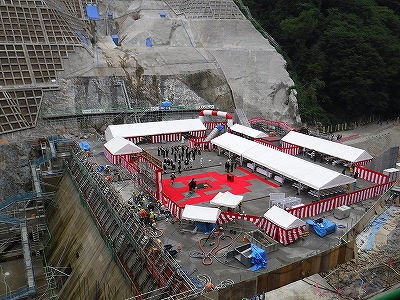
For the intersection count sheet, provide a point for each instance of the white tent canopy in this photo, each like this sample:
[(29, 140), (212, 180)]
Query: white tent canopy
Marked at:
[(153, 128), (334, 149), (226, 199), (253, 133), (121, 146), (282, 218), (297, 169), (233, 143), (201, 213)]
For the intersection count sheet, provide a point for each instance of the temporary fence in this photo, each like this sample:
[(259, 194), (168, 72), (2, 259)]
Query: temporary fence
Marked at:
[(172, 206), (318, 207), (370, 175), (363, 162), (130, 167), (165, 137), (286, 147)]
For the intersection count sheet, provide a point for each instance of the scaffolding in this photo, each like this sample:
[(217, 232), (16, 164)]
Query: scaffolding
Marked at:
[(208, 9), (14, 212), (131, 246)]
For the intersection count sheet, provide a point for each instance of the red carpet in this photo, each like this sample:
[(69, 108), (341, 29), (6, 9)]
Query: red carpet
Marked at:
[(218, 182)]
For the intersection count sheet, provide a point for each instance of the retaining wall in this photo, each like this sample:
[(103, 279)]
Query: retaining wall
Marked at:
[(77, 243)]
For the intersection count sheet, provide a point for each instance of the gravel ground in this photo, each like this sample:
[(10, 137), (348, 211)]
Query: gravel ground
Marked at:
[(374, 271)]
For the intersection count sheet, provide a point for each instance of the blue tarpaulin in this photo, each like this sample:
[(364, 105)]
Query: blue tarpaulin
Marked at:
[(258, 258), (165, 104), (84, 146), (322, 227), (205, 227), (376, 224), (115, 39), (92, 12), (148, 42)]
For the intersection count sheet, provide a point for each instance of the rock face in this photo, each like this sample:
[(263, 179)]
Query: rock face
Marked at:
[(191, 55), (194, 55), (15, 171), (194, 41)]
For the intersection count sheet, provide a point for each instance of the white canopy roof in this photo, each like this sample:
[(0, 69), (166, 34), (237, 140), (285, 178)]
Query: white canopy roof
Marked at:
[(282, 218), (297, 169), (253, 133), (334, 149), (233, 143), (121, 146), (153, 128), (201, 213), (300, 170), (226, 199)]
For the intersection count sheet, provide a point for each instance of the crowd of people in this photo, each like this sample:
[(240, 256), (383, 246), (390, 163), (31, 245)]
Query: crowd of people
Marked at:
[(149, 211), (178, 158)]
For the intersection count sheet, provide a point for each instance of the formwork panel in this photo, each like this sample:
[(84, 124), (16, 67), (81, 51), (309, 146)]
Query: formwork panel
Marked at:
[(26, 57)]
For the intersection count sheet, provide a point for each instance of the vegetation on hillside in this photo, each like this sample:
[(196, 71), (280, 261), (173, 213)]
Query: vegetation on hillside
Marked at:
[(344, 55)]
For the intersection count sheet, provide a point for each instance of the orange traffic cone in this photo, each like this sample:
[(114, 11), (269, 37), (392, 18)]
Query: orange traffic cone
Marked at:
[(179, 247), (244, 238)]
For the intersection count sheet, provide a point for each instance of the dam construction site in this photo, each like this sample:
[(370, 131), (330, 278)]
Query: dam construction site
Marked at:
[(154, 150)]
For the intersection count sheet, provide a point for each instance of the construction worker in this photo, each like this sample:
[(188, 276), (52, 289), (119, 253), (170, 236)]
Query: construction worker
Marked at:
[(240, 207), (152, 216), (153, 227), (143, 214)]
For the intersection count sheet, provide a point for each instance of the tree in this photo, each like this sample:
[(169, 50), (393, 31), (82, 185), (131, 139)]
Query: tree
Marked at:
[(342, 54)]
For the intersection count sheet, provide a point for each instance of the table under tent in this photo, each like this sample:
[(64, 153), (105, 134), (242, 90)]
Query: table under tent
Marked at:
[(204, 218), (282, 226), (330, 151), (320, 181)]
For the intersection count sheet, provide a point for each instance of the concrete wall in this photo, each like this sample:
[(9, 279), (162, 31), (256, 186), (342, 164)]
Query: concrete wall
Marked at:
[(76, 242), (274, 279)]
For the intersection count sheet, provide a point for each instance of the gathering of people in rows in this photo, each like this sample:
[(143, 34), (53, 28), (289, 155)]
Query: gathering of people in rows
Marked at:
[(178, 158)]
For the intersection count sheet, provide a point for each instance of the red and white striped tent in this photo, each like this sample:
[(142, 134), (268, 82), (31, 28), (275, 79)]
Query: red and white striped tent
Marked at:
[(167, 131), (119, 147), (282, 226), (344, 152)]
